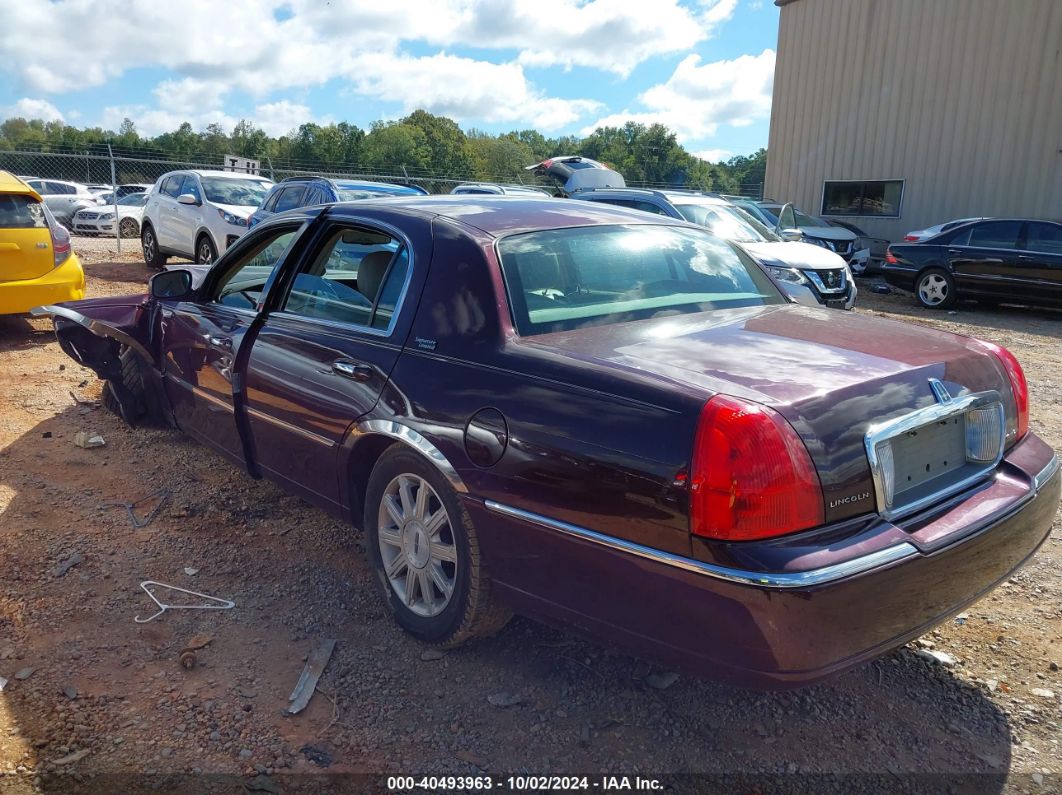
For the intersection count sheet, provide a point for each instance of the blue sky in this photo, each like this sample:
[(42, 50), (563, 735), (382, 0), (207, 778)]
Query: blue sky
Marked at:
[(702, 67)]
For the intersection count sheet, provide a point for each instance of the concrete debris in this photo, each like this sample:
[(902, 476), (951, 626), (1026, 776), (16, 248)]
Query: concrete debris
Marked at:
[(88, 440), (938, 657)]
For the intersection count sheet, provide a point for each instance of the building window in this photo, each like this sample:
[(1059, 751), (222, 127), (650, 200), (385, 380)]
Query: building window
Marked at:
[(874, 198)]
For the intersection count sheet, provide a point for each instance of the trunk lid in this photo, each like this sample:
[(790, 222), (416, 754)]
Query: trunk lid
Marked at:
[(830, 374), (25, 239)]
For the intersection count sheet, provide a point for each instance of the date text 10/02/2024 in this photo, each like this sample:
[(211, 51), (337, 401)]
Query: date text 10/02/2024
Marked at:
[(522, 783)]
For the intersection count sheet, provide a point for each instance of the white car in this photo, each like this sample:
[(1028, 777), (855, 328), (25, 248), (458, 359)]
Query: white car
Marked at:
[(198, 214), (63, 198), (919, 235), (100, 220)]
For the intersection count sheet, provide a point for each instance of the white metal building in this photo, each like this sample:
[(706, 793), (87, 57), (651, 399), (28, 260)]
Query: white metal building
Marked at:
[(900, 114)]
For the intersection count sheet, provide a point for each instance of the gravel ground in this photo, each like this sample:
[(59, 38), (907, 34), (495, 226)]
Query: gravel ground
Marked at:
[(91, 693)]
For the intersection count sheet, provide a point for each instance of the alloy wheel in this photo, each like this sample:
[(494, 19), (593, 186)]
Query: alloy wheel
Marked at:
[(127, 228), (417, 545), (149, 245), (933, 289), (205, 252)]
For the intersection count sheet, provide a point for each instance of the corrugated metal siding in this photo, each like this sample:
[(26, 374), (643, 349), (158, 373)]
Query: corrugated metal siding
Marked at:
[(960, 98)]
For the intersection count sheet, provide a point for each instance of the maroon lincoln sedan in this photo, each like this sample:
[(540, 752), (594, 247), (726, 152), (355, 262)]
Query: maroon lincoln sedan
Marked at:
[(597, 418)]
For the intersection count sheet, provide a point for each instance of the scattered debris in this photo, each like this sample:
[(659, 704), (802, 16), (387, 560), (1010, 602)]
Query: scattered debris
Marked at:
[(190, 571), (1041, 692), (67, 564), (88, 440), (187, 656), (69, 759), (82, 402), (505, 700), (661, 680), (262, 783), (70, 692), (161, 495), (880, 289), (24, 673), (217, 603), (3, 684), (991, 684), (319, 756), (430, 655), (46, 435), (311, 672), (938, 657), (961, 618)]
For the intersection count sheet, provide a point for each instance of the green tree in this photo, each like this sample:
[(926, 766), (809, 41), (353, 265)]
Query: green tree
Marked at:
[(447, 145), (389, 147)]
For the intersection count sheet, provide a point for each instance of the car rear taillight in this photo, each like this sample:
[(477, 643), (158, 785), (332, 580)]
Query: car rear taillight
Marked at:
[(546, 163), (911, 238), (751, 476), (61, 248), (1018, 385), (890, 257)]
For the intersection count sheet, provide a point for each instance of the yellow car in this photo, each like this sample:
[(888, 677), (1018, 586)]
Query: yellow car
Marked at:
[(37, 263)]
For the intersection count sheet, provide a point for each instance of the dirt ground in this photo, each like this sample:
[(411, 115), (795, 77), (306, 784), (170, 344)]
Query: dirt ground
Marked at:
[(94, 698)]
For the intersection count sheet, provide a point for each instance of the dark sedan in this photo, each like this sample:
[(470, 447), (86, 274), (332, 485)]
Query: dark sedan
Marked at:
[(1012, 260), (598, 418)]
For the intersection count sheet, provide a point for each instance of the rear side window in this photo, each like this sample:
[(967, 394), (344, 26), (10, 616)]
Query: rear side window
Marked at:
[(58, 188), (356, 277), (1044, 238), (993, 234), (18, 211), (171, 186), (569, 278)]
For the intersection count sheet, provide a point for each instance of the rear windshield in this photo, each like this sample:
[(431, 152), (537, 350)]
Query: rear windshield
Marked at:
[(18, 211), (569, 278), (246, 192)]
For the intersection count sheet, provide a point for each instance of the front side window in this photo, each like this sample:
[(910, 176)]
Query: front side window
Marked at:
[(232, 190), (873, 198), (241, 284), (569, 278), (356, 277), (133, 200), (191, 186), (290, 198)]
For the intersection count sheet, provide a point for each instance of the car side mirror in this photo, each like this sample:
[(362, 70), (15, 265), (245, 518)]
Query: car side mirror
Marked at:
[(786, 219), (187, 198), (792, 235), (171, 285)]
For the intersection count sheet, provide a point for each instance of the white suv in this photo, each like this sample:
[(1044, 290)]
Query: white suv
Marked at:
[(198, 214)]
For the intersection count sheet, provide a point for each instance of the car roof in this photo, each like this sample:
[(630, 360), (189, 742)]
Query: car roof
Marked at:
[(214, 173), (502, 215), (9, 183)]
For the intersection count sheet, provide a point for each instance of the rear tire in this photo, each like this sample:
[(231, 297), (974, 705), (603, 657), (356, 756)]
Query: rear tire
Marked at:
[(935, 289), (407, 564), (129, 228), (153, 257)]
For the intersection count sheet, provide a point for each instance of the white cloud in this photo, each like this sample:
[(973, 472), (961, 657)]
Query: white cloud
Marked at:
[(154, 121), (214, 49), (464, 89), (714, 155), (280, 118), (697, 98), (27, 108)]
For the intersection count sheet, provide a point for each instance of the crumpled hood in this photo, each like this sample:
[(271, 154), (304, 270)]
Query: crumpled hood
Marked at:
[(794, 255)]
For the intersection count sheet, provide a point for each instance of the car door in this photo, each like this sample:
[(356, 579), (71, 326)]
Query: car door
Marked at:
[(202, 340), (186, 216), (984, 257), (1040, 260), (322, 356), (165, 214)]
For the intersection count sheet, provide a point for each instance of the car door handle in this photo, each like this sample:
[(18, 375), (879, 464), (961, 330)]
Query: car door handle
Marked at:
[(352, 370), (1026, 258), (954, 251), (220, 342)]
